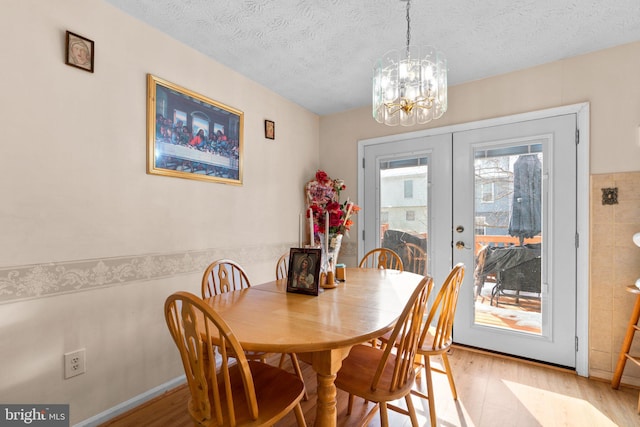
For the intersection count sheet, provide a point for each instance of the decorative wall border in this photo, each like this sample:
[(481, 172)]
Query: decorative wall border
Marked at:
[(43, 280), (20, 283)]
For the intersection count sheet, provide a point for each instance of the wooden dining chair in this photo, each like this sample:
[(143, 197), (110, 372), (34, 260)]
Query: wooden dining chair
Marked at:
[(436, 336), (416, 259), (226, 392), (381, 258), (226, 275), (223, 275), (382, 375), (282, 266), (282, 270)]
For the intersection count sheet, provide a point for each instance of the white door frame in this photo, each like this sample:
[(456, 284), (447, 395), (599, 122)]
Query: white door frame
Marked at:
[(582, 256)]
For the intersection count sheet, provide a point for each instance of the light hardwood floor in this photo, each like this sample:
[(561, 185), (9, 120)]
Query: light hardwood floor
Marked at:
[(492, 391)]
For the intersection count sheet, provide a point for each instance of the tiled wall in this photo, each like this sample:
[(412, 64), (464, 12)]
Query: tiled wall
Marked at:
[(615, 264)]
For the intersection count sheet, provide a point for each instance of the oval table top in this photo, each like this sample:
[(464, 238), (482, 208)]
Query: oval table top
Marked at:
[(267, 318)]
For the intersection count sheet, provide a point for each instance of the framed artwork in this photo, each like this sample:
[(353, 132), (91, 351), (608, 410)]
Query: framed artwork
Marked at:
[(304, 270), (191, 136), (269, 129), (79, 52)]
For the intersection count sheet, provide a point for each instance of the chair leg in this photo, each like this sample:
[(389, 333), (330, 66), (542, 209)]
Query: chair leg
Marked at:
[(281, 361), (418, 366), (300, 416), (432, 406), (298, 371), (350, 404), (412, 411), (384, 416), (447, 368)]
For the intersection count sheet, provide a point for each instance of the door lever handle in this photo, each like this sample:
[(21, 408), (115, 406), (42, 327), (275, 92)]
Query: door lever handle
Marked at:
[(460, 245)]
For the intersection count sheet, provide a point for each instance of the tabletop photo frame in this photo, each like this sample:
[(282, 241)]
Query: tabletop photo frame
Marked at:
[(304, 271)]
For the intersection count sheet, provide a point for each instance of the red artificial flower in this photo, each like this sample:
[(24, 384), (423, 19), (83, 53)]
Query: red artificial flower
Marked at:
[(323, 196), (321, 176)]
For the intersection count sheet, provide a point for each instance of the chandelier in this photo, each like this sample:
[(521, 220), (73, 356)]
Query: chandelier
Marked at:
[(410, 86)]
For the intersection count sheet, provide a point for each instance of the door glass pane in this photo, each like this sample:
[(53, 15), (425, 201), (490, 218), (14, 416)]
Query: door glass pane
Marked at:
[(508, 237), (404, 222)]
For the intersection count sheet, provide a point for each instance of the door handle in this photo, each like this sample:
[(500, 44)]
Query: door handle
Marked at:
[(460, 245)]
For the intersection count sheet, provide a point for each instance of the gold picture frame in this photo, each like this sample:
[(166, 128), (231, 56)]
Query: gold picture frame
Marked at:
[(191, 136)]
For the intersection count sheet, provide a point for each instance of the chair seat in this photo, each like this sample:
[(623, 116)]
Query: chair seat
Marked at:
[(360, 367), (277, 393), (428, 346)]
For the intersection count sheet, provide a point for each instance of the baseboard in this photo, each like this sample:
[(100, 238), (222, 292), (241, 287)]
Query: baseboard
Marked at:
[(628, 381), (138, 400)]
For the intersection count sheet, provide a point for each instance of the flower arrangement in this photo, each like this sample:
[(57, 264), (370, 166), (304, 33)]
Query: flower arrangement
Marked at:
[(323, 199)]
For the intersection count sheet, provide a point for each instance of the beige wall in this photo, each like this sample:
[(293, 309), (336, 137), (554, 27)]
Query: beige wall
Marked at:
[(608, 80), (79, 212), (91, 244)]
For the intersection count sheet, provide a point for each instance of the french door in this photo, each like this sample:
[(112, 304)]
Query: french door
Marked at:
[(500, 199)]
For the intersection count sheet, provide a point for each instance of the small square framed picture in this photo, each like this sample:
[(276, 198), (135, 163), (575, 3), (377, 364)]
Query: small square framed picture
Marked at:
[(79, 52), (269, 129), (304, 271)]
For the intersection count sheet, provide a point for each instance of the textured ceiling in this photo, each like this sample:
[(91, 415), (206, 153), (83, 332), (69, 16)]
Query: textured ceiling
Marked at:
[(320, 53)]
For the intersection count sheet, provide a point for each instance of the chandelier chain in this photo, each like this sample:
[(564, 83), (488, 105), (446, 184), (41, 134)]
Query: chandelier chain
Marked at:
[(408, 26)]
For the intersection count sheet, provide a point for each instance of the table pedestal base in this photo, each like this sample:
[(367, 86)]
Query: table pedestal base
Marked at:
[(327, 364)]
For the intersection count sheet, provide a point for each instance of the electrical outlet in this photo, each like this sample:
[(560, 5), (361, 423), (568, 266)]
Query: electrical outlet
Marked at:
[(74, 363)]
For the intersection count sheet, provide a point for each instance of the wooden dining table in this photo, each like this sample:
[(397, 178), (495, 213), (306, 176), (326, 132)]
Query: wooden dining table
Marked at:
[(323, 328)]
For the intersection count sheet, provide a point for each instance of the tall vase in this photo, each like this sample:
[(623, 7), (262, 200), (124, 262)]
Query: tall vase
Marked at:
[(330, 250)]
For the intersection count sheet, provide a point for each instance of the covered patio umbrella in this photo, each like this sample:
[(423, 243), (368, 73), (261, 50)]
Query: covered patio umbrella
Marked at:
[(525, 220)]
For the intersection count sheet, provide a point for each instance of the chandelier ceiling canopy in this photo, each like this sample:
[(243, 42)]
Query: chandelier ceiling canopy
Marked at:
[(410, 85)]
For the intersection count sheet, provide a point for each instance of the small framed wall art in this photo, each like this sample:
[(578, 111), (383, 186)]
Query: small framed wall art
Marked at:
[(79, 52), (269, 129)]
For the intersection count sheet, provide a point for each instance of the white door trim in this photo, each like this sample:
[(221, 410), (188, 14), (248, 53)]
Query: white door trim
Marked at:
[(582, 256)]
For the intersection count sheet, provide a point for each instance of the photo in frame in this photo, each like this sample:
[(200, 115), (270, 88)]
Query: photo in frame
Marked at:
[(304, 270), (191, 136), (79, 52), (269, 129)]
